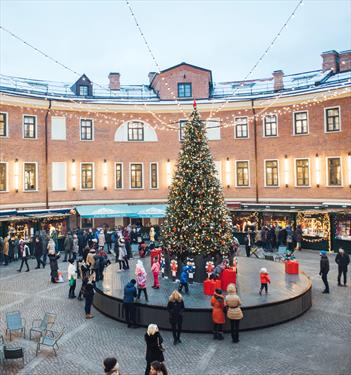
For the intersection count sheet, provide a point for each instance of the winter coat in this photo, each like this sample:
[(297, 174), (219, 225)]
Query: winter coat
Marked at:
[(155, 268), (89, 291), (175, 310), (324, 265), (101, 239), (68, 244), (298, 234), (153, 352), (91, 259), (342, 261), (217, 302), (232, 300), (51, 247), (141, 280), (6, 246), (53, 264), (130, 293), (184, 276), (265, 279), (38, 248), (71, 271)]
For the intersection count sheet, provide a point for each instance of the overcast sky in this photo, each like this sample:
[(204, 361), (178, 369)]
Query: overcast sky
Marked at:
[(98, 37)]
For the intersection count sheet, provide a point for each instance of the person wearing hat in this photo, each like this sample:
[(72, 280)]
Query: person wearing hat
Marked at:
[(265, 280), (342, 260), (111, 366), (218, 317), (121, 257), (324, 269)]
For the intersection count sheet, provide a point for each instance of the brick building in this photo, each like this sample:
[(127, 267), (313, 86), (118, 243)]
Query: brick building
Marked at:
[(282, 145)]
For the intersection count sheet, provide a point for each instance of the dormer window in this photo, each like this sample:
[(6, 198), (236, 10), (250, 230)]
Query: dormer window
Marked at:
[(184, 90), (83, 90)]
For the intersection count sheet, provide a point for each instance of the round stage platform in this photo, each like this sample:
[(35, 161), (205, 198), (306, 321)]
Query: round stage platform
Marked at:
[(288, 297)]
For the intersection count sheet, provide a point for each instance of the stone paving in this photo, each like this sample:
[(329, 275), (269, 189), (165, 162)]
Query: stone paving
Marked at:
[(318, 342)]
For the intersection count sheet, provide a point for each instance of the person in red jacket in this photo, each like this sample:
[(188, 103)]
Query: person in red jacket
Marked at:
[(218, 317), (265, 280)]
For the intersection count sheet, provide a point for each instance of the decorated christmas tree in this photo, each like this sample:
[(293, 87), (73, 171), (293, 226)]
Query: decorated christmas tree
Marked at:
[(197, 220)]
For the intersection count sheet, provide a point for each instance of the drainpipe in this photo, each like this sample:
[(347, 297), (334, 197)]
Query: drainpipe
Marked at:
[(255, 142), (46, 157)]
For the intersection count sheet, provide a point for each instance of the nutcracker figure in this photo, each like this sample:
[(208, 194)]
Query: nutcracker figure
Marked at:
[(174, 269), (191, 269), (209, 268), (163, 265)]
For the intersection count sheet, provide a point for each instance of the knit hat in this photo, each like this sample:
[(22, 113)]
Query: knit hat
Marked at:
[(263, 270), (323, 252)]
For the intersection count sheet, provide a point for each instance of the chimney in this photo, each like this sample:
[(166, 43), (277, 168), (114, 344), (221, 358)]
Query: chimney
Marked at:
[(114, 82), (278, 76), (330, 61), (345, 61), (151, 76)]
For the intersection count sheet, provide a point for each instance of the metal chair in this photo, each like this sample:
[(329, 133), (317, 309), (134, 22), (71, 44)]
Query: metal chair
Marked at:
[(14, 353), (50, 341), (42, 325), (15, 322)]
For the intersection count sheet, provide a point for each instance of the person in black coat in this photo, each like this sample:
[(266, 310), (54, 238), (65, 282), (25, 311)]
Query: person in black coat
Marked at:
[(342, 260), (154, 349), (38, 252), (324, 269), (89, 296), (53, 266), (175, 308), (129, 296), (248, 241)]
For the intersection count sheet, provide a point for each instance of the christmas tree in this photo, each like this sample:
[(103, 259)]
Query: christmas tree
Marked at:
[(197, 220)]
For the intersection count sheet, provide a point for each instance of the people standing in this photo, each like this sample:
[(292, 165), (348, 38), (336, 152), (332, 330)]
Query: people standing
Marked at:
[(121, 256), (158, 368), (72, 278), (130, 294), (101, 239), (218, 317), (155, 269), (68, 246), (184, 276), (234, 313), (324, 269), (154, 348), (342, 259), (53, 257), (265, 280), (140, 274), (89, 297), (111, 366), (175, 309), (24, 254), (38, 252), (75, 246), (248, 243), (298, 237), (6, 250)]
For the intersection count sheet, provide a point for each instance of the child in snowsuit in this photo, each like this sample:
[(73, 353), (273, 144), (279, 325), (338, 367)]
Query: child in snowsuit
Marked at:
[(265, 280), (155, 269), (184, 276), (140, 274)]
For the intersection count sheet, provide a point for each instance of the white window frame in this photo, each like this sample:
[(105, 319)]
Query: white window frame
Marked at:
[(235, 175), (52, 177), (309, 173), (92, 129), (115, 175), (80, 175), (308, 123), (130, 175), (36, 126), (248, 127), (181, 120), (218, 120), (150, 176), (143, 130), (327, 172), (36, 177), (325, 120), (6, 126), (264, 171), (6, 177), (59, 139), (264, 127)]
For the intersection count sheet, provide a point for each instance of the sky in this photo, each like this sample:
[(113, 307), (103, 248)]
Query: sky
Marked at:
[(228, 37)]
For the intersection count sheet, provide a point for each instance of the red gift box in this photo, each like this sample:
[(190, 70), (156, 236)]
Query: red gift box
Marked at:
[(292, 267), (155, 253), (209, 287), (228, 276)]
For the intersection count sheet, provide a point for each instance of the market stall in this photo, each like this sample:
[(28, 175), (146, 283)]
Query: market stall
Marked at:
[(279, 218), (341, 231), (242, 221)]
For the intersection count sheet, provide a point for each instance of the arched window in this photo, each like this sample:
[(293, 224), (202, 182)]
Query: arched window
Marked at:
[(135, 131)]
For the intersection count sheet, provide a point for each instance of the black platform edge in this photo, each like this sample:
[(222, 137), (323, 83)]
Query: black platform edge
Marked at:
[(279, 312)]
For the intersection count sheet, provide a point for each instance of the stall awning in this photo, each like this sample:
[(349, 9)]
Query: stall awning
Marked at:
[(122, 210)]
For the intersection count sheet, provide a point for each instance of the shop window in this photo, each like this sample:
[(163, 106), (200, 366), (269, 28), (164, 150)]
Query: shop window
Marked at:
[(29, 127), (3, 124), (313, 225), (3, 176), (135, 131), (119, 176), (332, 119), (242, 173), (270, 126), (86, 130), (300, 123), (136, 176), (271, 173), (87, 176), (182, 124), (302, 172), (184, 90), (213, 129), (58, 128), (241, 127), (334, 172), (343, 229), (154, 176), (30, 177)]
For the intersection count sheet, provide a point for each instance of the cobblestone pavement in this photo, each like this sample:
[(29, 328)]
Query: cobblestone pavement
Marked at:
[(318, 342)]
